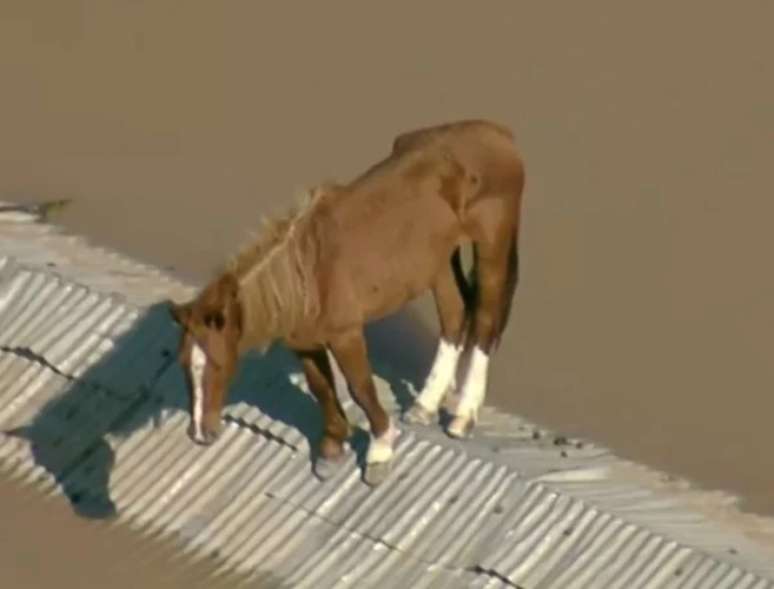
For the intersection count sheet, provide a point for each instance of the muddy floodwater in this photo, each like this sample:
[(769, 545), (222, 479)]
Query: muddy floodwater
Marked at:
[(645, 314), (44, 545)]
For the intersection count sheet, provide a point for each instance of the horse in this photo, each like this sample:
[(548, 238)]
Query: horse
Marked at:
[(356, 252)]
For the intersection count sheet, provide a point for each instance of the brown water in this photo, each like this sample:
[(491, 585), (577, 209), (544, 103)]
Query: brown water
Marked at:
[(43, 545), (644, 318)]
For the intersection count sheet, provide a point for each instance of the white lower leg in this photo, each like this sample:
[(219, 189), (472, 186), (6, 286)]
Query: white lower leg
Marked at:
[(474, 385), (442, 376), (381, 449), (198, 362)]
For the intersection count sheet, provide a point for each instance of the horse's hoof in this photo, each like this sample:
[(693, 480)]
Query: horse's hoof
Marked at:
[(376, 473), (325, 468), (418, 415), (460, 427), (203, 436)]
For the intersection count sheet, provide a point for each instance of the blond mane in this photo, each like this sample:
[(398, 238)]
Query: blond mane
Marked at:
[(275, 272)]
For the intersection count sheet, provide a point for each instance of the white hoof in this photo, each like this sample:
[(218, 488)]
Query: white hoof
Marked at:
[(418, 414), (380, 449), (325, 468), (460, 427), (380, 456), (376, 473)]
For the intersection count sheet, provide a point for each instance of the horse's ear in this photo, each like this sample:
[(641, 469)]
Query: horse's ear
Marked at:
[(181, 314)]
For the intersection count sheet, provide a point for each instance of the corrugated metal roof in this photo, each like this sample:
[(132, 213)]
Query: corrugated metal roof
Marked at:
[(89, 375)]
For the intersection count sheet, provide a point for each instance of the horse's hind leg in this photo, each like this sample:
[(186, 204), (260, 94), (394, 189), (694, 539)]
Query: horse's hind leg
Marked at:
[(336, 429), (450, 305), (496, 264), (350, 352)]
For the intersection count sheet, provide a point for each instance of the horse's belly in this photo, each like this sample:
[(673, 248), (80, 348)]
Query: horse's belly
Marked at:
[(398, 258), (397, 279)]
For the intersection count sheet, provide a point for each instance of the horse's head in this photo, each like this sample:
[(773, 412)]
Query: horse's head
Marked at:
[(212, 327)]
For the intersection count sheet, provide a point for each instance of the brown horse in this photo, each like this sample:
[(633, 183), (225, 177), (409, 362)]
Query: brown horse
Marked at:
[(360, 251)]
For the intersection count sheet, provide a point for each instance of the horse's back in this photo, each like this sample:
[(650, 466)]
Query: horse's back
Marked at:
[(424, 187), (466, 130), (483, 150)]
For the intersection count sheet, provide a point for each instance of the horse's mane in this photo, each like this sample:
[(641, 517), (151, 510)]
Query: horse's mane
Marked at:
[(275, 271)]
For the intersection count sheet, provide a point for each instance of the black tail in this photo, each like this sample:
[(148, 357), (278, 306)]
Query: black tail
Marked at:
[(466, 284), (511, 280)]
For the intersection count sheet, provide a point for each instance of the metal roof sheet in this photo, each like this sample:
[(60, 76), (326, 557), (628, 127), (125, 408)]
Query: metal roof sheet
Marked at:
[(87, 371)]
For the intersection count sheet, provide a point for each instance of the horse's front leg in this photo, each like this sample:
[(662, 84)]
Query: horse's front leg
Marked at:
[(350, 353), (336, 428)]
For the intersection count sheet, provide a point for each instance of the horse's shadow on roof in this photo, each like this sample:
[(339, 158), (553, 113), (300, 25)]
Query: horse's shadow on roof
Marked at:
[(139, 384)]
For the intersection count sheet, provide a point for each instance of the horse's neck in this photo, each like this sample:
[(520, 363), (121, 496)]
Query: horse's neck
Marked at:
[(258, 328), (269, 315), (278, 290)]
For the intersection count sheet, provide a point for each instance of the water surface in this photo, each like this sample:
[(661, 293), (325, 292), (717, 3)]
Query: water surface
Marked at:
[(644, 316)]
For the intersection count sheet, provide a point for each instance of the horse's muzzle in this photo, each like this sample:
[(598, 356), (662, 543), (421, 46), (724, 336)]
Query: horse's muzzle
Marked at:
[(203, 436)]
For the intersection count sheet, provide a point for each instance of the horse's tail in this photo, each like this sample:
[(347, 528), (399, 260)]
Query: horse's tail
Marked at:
[(469, 284), (465, 283), (511, 280), (512, 264)]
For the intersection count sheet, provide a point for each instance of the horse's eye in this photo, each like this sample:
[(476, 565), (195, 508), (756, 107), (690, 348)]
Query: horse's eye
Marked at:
[(215, 320)]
